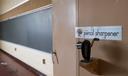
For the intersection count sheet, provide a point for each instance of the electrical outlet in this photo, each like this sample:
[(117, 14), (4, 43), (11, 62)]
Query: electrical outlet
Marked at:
[(15, 49), (43, 61)]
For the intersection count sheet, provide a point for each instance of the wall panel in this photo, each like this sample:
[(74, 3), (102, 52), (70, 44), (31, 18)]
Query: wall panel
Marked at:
[(64, 22)]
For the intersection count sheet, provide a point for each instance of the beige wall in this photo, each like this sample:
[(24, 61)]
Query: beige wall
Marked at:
[(0, 6), (7, 5), (113, 53)]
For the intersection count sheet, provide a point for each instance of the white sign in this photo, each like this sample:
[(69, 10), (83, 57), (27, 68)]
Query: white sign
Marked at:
[(101, 32)]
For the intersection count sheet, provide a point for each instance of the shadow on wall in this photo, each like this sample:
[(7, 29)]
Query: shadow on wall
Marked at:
[(115, 52), (116, 63), (103, 68), (108, 69)]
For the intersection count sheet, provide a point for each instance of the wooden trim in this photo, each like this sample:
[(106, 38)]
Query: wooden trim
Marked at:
[(28, 12), (15, 6), (30, 5)]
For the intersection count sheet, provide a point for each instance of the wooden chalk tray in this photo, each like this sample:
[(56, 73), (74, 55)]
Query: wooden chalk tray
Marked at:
[(92, 66)]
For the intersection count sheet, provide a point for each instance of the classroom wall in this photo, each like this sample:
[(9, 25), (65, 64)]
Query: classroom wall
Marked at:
[(33, 57), (113, 54)]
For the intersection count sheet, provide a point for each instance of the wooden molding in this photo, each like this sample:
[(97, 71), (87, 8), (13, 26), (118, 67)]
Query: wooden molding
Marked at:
[(12, 7), (30, 5)]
